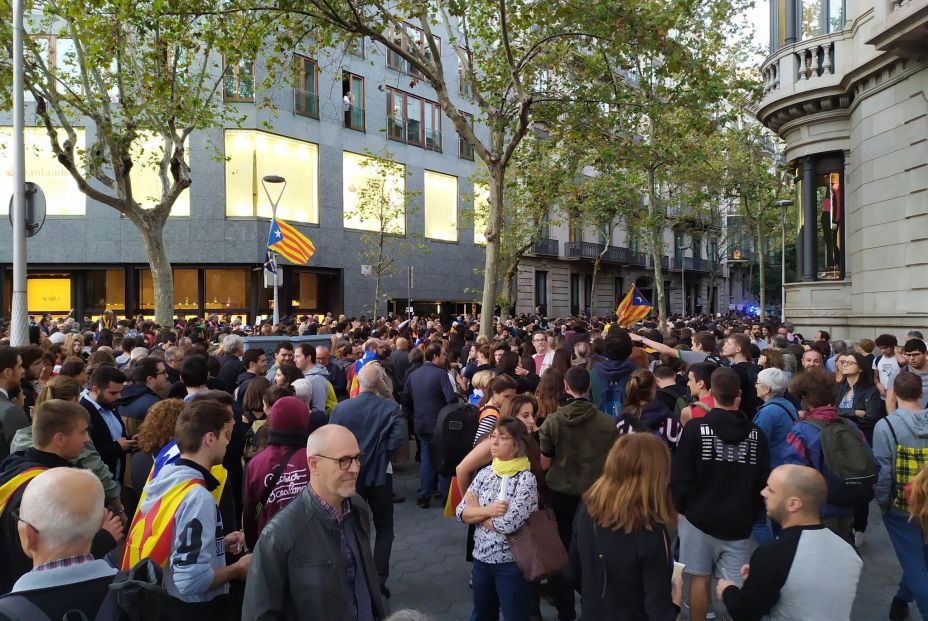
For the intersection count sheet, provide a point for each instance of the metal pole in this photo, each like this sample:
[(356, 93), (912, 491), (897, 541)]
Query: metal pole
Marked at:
[(409, 293), (683, 282), (783, 266), (276, 301), (19, 318), (264, 181)]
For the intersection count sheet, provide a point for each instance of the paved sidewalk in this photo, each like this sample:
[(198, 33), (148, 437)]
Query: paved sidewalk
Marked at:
[(428, 571)]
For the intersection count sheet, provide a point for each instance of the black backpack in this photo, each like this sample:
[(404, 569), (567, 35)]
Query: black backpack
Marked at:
[(847, 463), (453, 437)]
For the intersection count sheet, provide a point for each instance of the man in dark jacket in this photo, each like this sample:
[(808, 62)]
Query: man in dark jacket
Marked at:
[(380, 429), (255, 361), (149, 383), (609, 377), (65, 579), (107, 431), (59, 434), (231, 365), (668, 389), (337, 376), (398, 363), (428, 389), (325, 532), (12, 417), (719, 469)]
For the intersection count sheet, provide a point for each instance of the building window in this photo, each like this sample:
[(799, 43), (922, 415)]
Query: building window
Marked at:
[(186, 290), (465, 86), (574, 229), (413, 41), (697, 247), (251, 155), (105, 290), (588, 293), (466, 149), (355, 46), (441, 206), (481, 212), (353, 100), (62, 197), (677, 245), (146, 153), (305, 291), (413, 120), (226, 288), (619, 285), (812, 18), (50, 293), (541, 291), (575, 294), (373, 194), (306, 92), (238, 84)]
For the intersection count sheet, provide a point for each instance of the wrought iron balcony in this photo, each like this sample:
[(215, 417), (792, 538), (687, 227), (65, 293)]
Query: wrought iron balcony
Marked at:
[(545, 248), (582, 250), (618, 254)]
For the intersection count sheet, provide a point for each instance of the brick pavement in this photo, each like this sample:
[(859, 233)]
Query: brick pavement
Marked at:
[(428, 571)]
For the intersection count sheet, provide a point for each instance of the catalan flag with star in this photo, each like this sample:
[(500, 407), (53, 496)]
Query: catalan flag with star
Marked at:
[(289, 243), (633, 308)]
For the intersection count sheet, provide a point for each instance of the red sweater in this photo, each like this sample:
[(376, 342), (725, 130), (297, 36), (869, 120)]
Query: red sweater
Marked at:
[(292, 480)]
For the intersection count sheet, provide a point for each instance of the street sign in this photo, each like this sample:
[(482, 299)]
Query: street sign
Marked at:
[(35, 209)]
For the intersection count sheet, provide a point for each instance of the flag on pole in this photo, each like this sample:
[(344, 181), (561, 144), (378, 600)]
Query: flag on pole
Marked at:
[(633, 308), (289, 242), (270, 261)]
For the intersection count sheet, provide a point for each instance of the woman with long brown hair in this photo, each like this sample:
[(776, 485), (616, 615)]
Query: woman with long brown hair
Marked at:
[(621, 556), (642, 413), (550, 393)]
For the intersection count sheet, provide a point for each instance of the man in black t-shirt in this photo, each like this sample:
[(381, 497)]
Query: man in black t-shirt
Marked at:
[(737, 350)]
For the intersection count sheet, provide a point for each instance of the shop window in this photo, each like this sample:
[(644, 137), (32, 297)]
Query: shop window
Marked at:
[(373, 194), (441, 206), (186, 289), (251, 155), (147, 151), (105, 289), (48, 293), (481, 212), (305, 289), (62, 197), (226, 289)]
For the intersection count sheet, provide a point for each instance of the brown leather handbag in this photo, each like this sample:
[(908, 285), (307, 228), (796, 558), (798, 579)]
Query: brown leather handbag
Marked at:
[(537, 548)]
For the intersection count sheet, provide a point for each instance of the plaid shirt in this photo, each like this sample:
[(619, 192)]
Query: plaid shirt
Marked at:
[(351, 563), (67, 561)]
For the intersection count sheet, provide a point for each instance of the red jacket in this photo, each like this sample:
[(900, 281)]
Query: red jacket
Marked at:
[(293, 478)]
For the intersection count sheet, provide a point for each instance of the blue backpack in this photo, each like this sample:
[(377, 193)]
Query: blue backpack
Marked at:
[(612, 396)]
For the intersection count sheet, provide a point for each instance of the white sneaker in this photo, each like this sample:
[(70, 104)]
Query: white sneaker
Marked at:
[(858, 539)]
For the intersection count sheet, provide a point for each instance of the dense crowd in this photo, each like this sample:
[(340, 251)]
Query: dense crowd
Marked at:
[(156, 472)]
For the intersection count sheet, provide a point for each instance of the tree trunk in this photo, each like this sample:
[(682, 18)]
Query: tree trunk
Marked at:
[(762, 313), (596, 265), (162, 277), (509, 294), (491, 264), (713, 295), (657, 247)]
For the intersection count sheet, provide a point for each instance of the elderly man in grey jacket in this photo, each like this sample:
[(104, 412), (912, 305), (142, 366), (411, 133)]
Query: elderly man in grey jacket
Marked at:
[(313, 560), (380, 429)]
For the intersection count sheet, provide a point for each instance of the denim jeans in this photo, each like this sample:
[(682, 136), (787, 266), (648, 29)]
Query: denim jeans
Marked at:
[(912, 553), (429, 479), (500, 586)]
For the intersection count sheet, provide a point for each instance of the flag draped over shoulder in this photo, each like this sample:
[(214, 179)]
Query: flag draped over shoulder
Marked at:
[(289, 242), (633, 308)]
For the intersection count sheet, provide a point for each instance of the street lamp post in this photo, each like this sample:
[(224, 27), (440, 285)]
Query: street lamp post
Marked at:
[(783, 205), (273, 180), (19, 317), (683, 250)]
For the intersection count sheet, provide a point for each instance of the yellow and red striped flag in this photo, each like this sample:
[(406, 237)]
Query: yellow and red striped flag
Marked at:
[(289, 242), (633, 308)]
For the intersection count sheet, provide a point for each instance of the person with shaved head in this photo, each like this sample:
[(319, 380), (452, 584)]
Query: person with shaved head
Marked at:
[(313, 560), (61, 512), (808, 572)]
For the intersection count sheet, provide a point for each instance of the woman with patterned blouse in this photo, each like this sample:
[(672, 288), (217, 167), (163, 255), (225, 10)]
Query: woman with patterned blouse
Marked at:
[(499, 501)]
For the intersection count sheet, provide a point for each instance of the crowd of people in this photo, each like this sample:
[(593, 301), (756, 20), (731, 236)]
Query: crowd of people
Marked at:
[(193, 476)]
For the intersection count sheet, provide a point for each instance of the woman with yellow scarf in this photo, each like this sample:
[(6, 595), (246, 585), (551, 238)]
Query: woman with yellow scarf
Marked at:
[(499, 501)]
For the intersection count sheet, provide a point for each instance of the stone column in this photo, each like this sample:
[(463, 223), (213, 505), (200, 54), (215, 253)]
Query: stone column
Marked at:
[(792, 10), (809, 220)]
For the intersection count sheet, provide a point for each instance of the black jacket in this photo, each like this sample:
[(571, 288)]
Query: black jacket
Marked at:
[(231, 368), (866, 398), (109, 449), (135, 401), (77, 596), (669, 395), (622, 577), (719, 469), (428, 389), (15, 562), (298, 568)]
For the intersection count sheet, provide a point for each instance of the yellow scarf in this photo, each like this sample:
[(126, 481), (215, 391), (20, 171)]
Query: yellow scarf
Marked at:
[(510, 467)]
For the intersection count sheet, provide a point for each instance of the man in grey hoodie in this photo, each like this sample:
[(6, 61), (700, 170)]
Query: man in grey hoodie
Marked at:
[(315, 380), (903, 435)]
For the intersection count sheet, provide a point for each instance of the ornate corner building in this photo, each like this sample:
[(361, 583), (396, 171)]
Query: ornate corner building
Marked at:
[(846, 87)]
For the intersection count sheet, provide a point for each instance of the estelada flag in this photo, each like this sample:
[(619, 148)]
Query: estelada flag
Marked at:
[(289, 242), (633, 308)]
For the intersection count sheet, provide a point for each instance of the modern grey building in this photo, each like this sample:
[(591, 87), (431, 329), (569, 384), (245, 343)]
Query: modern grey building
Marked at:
[(348, 103)]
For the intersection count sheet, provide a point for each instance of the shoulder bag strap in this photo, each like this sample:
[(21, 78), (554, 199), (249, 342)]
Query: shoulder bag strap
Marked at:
[(780, 405), (279, 470), (893, 490), (19, 608)]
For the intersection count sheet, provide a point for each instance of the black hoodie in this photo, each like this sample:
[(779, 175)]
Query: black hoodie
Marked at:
[(719, 469), (15, 562)]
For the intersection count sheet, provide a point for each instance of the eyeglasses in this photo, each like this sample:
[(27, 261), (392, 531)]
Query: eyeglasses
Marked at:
[(345, 462), (500, 437), (848, 363), (15, 514)]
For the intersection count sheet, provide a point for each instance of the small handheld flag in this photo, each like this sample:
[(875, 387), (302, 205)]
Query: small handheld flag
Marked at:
[(633, 308), (289, 242)]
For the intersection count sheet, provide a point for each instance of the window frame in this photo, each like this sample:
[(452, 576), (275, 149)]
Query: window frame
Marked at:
[(426, 106), (466, 149), (301, 91), (348, 121), (416, 35), (236, 70)]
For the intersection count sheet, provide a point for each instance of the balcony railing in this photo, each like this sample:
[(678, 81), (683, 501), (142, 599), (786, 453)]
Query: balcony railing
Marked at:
[(433, 140), (690, 264), (306, 103), (616, 254), (582, 250), (355, 118), (545, 248)]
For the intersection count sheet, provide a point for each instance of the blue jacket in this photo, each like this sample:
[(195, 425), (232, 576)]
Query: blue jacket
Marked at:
[(776, 417), (379, 426), (135, 401), (428, 389)]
